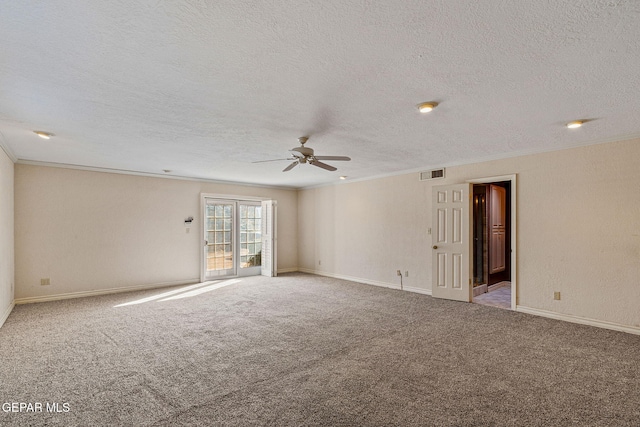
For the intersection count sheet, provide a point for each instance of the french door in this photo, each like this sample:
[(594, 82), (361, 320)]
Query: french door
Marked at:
[(219, 239), (233, 238)]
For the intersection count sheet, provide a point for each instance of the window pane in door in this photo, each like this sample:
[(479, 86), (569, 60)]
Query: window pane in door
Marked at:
[(219, 237), (211, 258), (250, 255)]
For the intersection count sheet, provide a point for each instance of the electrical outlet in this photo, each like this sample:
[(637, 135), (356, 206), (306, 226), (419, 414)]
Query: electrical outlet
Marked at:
[(406, 273), (556, 296), (45, 282), (398, 272)]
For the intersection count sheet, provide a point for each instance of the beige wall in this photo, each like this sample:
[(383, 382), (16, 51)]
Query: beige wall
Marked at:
[(578, 225), (578, 229), (6, 236), (91, 231)]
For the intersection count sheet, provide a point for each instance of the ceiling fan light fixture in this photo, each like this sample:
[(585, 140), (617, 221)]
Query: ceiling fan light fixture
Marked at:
[(42, 134), (302, 155), (575, 124), (427, 107)]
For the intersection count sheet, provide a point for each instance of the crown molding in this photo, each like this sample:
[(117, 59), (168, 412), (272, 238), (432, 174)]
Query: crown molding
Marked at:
[(148, 174), (498, 156), (6, 149)]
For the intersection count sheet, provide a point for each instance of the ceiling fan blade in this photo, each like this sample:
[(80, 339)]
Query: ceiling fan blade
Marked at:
[(343, 158), (291, 166), (272, 160), (323, 165)]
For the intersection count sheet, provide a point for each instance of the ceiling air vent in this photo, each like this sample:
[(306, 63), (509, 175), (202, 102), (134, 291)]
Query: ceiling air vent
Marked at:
[(432, 174)]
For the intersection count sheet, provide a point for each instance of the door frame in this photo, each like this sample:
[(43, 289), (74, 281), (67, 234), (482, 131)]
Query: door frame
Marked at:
[(203, 205), (514, 265)]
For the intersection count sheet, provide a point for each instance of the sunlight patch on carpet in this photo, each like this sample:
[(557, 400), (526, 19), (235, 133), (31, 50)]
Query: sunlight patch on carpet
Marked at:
[(196, 292), (163, 296)]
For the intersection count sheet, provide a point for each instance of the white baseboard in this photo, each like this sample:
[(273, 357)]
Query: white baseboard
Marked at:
[(287, 270), (581, 320), (417, 290), (520, 308), (81, 294), (6, 313), (366, 281)]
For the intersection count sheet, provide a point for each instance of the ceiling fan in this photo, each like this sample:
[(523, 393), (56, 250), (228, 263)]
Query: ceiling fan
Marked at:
[(304, 154)]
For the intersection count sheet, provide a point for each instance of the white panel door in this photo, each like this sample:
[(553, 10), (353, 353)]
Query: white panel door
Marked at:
[(269, 246), (451, 240)]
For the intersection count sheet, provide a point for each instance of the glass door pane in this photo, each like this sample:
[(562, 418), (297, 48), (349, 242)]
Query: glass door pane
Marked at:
[(219, 238), (250, 237)]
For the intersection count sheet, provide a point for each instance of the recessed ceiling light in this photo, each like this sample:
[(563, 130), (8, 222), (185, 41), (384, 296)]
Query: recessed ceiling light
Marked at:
[(43, 134), (343, 177), (575, 124), (426, 107)]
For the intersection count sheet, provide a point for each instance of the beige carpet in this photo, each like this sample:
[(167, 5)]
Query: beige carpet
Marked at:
[(307, 350)]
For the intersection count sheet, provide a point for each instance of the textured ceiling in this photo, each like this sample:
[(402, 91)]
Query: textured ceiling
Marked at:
[(205, 88)]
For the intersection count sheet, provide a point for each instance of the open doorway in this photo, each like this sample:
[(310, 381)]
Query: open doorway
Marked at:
[(452, 240), (491, 245)]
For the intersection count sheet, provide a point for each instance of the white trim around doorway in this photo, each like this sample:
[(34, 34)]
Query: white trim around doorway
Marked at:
[(514, 229)]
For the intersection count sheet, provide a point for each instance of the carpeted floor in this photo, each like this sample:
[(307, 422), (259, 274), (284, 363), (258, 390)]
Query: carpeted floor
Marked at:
[(308, 350)]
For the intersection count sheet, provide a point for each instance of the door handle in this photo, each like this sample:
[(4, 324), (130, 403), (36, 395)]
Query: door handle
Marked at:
[(435, 247)]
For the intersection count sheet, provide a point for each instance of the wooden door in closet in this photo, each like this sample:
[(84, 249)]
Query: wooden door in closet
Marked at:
[(497, 228)]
